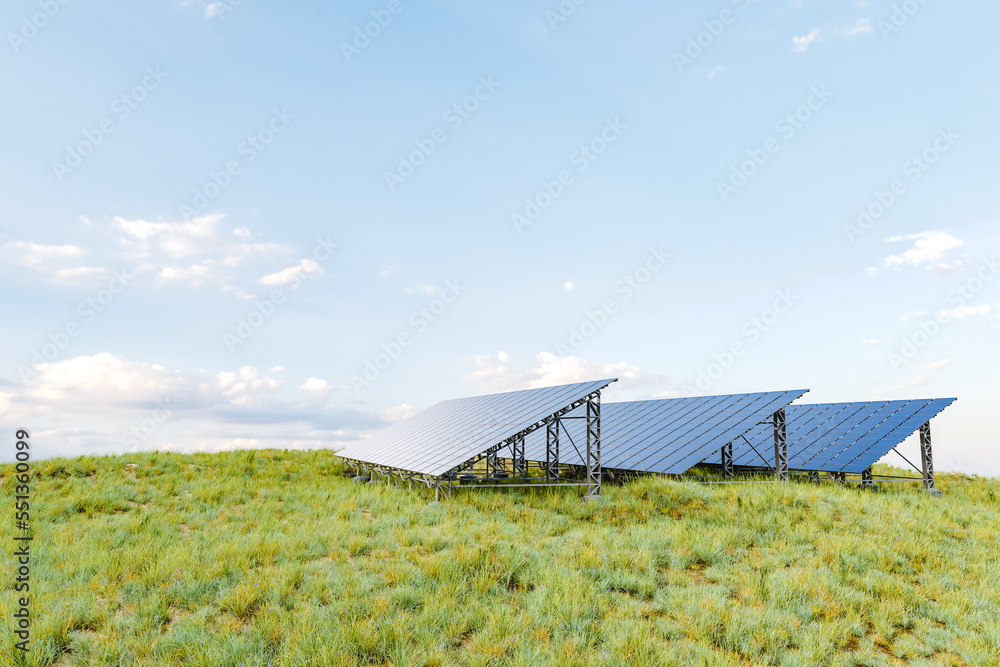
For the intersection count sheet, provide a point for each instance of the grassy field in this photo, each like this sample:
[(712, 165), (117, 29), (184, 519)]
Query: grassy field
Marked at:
[(275, 558)]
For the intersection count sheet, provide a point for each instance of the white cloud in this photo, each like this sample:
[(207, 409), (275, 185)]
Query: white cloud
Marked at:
[(906, 317), (929, 251), (498, 374), (569, 287), (396, 413), (77, 275), (862, 26), (802, 43), (242, 387), (964, 312), (317, 390), (89, 404), (293, 274), (426, 289), (715, 71), (33, 254), (175, 239), (924, 376), (50, 261), (103, 378), (195, 275), (212, 9)]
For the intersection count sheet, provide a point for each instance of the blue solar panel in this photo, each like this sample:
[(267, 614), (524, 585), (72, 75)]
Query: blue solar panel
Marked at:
[(841, 437), (669, 435), (453, 432)]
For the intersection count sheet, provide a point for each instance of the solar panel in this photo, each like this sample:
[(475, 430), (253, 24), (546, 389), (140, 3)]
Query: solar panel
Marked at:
[(666, 436), (453, 432), (841, 437)]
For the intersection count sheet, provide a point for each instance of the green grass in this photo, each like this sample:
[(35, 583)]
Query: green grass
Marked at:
[(275, 558)]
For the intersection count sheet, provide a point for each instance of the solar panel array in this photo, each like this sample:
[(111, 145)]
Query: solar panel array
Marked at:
[(453, 432), (839, 437), (665, 436)]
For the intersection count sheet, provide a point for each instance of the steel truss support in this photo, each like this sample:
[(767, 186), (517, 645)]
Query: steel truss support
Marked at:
[(727, 460), (866, 480), (552, 449), (594, 446), (519, 464), (780, 447), (493, 465), (927, 458)]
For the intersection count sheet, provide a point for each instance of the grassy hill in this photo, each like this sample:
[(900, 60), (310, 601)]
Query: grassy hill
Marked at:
[(275, 558)]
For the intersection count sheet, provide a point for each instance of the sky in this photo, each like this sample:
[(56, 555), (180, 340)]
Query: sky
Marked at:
[(235, 224)]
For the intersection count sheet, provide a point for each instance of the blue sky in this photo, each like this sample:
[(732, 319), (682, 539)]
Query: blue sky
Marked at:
[(216, 218)]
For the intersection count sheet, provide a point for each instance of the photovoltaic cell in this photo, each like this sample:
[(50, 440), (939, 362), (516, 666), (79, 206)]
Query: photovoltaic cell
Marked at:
[(841, 437), (452, 432), (666, 436)]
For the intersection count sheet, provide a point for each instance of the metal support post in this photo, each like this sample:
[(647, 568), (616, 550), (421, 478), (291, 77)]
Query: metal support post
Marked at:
[(727, 460), (927, 459), (866, 479), (552, 449), (780, 447), (492, 465), (594, 447), (519, 465)]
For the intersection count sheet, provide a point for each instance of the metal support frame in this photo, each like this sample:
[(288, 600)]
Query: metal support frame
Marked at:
[(552, 449), (780, 447), (444, 483), (867, 482), (727, 460), (927, 457), (493, 465), (518, 463), (594, 446)]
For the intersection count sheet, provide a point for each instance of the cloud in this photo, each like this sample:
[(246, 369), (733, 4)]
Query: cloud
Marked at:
[(964, 312), (242, 387), (715, 71), (923, 377), (50, 261), (802, 43), (194, 252), (498, 374), (195, 275), (77, 274), (293, 274), (33, 254), (318, 390), (862, 26), (928, 252), (426, 289), (174, 239), (103, 378), (906, 317), (396, 413), (95, 403), (569, 287)]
